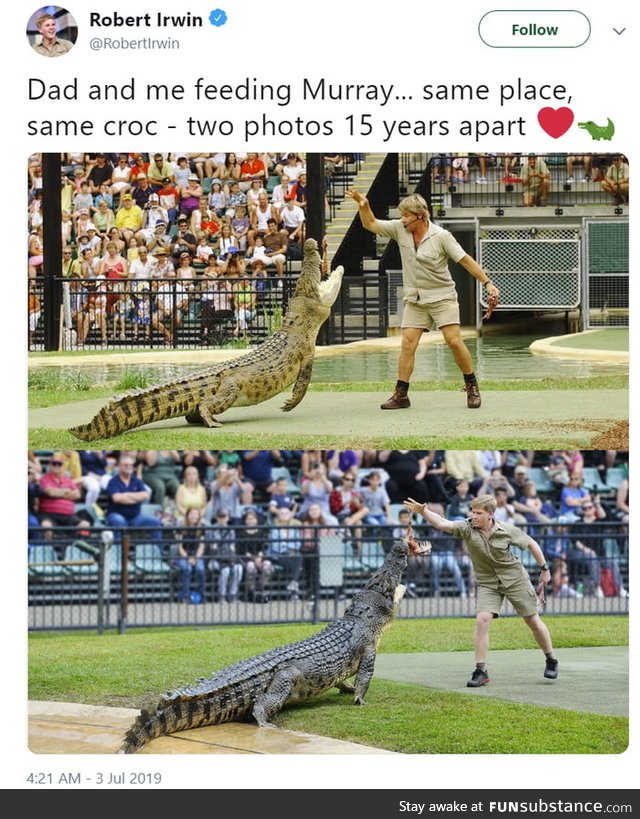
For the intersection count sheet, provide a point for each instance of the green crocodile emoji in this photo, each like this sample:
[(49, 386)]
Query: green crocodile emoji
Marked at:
[(598, 131)]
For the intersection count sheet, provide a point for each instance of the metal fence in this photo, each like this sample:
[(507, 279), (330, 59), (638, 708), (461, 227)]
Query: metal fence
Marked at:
[(115, 579), (606, 273), (212, 313)]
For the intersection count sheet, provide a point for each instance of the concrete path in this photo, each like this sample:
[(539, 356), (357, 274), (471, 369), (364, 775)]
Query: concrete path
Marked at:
[(595, 680), (542, 419), (72, 728)]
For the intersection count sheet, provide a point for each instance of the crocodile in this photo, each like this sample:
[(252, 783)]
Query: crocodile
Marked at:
[(261, 686), (285, 358), (599, 131)]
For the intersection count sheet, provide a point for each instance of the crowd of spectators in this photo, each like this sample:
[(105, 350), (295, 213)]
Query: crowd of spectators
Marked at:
[(145, 235), (242, 515)]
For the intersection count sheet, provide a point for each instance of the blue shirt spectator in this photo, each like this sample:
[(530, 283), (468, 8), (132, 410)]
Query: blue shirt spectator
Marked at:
[(126, 493)]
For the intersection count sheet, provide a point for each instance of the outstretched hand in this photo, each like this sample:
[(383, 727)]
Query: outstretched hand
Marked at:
[(357, 197)]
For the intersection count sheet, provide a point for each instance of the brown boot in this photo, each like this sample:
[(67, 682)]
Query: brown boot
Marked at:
[(473, 395), (399, 400)]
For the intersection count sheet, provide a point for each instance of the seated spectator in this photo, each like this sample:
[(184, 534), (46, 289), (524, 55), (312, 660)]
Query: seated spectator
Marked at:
[(229, 170), (458, 507), (159, 473), (252, 168), (58, 495), (257, 467), (191, 494), (191, 545), (505, 512), (129, 217), (622, 501), (285, 548), (202, 459), (572, 499), (235, 198), (293, 220), (585, 161), (299, 192), (221, 539), (441, 168), (126, 493), (121, 177), (251, 545), (217, 200), (616, 181), (535, 181), (496, 480), (139, 168), (407, 470), (228, 491), (376, 499), (190, 196), (291, 165), (159, 171), (316, 488), (532, 507), (184, 241), (280, 192), (347, 506), (240, 228), (280, 496), (314, 525), (169, 198)]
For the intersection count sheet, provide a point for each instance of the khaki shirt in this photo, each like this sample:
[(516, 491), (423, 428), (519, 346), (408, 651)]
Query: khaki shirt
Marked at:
[(425, 271), (494, 562), (58, 48)]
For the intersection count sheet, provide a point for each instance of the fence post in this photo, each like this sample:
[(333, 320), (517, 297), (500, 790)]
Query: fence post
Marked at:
[(102, 572), (124, 584)]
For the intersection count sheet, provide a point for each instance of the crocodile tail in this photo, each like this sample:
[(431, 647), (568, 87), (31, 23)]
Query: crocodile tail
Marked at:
[(178, 712), (139, 408)]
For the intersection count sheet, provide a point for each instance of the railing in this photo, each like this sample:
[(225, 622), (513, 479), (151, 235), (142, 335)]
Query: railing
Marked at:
[(106, 578), (496, 182), (170, 314)]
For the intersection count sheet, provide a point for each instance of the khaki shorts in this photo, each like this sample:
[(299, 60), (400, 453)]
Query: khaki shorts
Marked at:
[(521, 595), (431, 316)]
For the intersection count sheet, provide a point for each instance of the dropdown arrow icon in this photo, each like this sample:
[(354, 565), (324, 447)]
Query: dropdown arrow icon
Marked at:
[(622, 30)]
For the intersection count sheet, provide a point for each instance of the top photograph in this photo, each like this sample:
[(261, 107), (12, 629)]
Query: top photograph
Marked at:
[(295, 300)]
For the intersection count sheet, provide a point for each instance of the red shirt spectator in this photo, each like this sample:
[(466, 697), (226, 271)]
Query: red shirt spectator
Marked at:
[(253, 168), (58, 493)]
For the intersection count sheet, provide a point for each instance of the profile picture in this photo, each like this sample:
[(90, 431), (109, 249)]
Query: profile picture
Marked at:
[(52, 31)]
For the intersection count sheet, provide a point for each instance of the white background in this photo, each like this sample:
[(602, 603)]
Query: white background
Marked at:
[(408, 44)]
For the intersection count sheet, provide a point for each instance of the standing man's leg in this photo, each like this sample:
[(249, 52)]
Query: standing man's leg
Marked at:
[(481, 649), (543, 639), (410, 339), (462, 357)]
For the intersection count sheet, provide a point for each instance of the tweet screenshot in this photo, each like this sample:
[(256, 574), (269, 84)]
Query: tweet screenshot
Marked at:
[(327, 446)]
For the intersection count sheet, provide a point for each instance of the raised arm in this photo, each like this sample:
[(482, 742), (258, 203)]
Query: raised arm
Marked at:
[(432, 518), (364, 209)]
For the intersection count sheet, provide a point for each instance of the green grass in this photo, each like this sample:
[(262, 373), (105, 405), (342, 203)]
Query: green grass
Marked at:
[(132, 669), (49, 388)]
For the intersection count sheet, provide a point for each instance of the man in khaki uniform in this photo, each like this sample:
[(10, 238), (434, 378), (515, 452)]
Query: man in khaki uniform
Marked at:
[(499, 574), (430, 299)]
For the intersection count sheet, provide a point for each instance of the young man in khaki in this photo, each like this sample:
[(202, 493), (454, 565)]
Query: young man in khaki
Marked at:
[(500, 575), (430, 298)]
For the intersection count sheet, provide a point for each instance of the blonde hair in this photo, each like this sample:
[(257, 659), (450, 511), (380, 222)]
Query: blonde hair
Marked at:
[(486, 502), (415, 204)]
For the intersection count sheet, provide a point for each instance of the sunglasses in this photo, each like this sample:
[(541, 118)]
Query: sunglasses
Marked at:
[(56, 463)]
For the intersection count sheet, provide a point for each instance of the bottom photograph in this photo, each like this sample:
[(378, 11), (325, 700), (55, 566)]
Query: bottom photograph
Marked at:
[(253, 601)]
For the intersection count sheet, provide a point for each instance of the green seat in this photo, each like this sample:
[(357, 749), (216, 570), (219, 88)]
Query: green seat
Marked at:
[(372, 555), (592, 481), (283, 472), (541, 479), (207, 182), (75, 553), (43, 561), (615, 476), (148, 559)]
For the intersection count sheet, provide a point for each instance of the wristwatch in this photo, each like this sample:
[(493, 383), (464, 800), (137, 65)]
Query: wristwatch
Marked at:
[(544, 567)]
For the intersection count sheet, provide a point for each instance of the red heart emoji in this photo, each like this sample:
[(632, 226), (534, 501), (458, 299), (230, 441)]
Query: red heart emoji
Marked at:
[(555, 122)]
